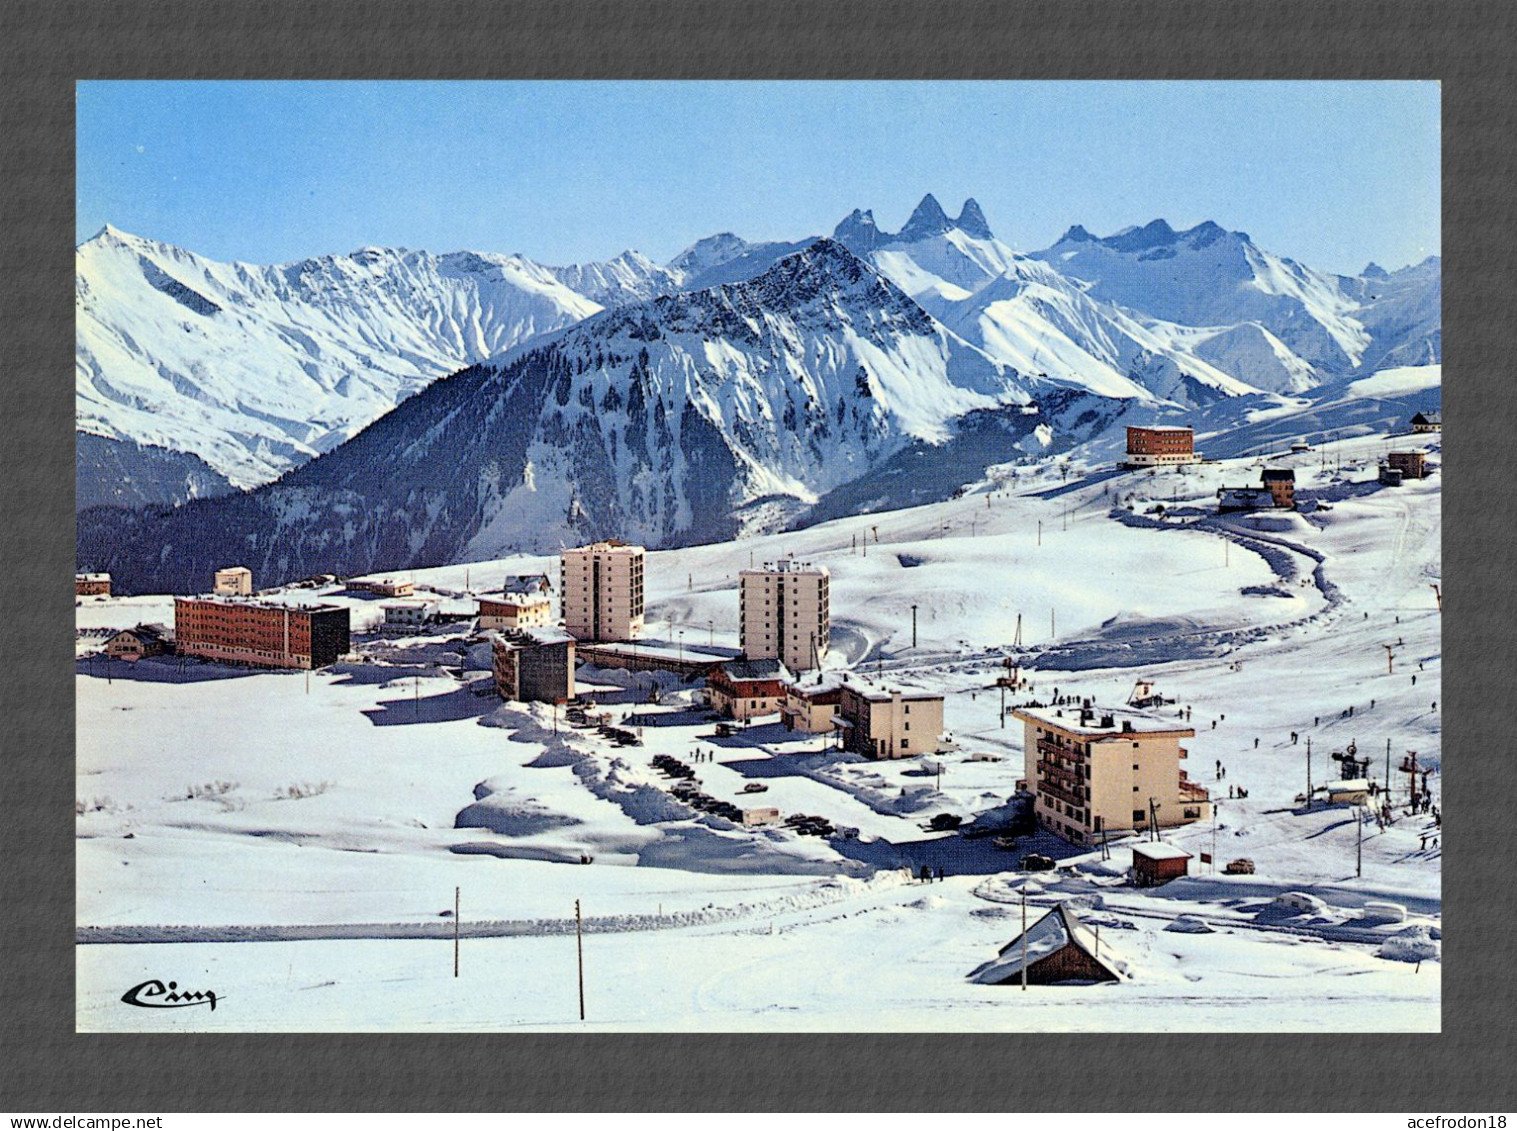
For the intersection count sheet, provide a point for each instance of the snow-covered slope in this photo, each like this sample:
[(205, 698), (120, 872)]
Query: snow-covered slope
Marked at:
[(657, 422), (1277, 324), (256, 369), (1024, 313)]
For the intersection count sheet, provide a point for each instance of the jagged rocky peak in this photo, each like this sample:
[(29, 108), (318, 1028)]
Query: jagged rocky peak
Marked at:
[(1076, 234), (858, 231), (927, 221), (972, 221), (1374, 271)]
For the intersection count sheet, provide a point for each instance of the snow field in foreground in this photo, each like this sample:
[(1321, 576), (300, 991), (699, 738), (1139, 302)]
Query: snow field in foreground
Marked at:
[(249, 800)]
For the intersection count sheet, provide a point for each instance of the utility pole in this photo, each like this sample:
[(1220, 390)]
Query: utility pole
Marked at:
[(1024, 938), (1003, 706), (1387, 769), (1040, 532), (1053, 630), (1359, 843), (913, 626), (711, 633), (1017, 639), (455, 932), (1389, 655), (1214, 807), (579, 946), (1308, 773), (1438, 593)]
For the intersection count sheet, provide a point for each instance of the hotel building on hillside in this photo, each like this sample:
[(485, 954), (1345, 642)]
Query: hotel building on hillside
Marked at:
[(92, 585), (784, 609), (1094, 771), (601, 588), (234, 581), (889, 722), (1160, 446), (516, 610), (241, 630)]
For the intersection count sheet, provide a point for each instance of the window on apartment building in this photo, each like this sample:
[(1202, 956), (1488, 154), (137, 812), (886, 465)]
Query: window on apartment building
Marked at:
[(1138, 816), (1135, 765), (1135, 789)]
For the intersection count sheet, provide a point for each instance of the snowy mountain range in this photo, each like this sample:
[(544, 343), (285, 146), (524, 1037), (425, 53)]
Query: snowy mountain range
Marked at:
[(726, 391)]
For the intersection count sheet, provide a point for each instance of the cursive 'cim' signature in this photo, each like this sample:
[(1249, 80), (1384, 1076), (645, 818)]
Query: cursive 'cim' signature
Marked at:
[(153, 994)]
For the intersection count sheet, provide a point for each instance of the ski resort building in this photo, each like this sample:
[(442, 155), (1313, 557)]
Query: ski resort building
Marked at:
[(1277, 491), (92, 585), (1427, 422), (1281, 482), (408, 613), (1412, 465), (527, 583), (1094, 771), (516, 610), (533, 665), (1155, 862), (601, 587), (380, 586), (1160, 446), (131, 644), (234, 581), (785, 615), (242, 630), (811, 704), (743, 689), (1058, 948), (889, 722)]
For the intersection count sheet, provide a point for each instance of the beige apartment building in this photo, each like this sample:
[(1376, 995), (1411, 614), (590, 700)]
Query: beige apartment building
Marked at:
[(889, 722), (234, 581), (601, 588), (785, 615), (1096, 770), (516, 610)]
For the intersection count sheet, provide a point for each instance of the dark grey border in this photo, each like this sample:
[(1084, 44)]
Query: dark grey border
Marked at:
[(1466, 45)]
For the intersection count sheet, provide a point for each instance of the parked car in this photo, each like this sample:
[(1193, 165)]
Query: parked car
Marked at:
[(755, 787), (1036, 862), (1243, 866)]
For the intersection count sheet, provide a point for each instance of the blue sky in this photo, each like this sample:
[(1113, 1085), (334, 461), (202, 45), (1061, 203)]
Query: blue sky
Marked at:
[(1333, 174)]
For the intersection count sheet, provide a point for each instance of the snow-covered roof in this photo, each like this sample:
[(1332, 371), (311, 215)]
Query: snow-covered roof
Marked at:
[(1348, 785), (1095, 722), (867, 690), (810, 687), (738, 670), (92, 577), (1163, 427), (259, 603), (1049, 935), (528, 637), (517, 598), (1159, 850)]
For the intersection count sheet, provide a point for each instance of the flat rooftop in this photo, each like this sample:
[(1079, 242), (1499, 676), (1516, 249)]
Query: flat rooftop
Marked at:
[(880, 693), (1070, 719), (1158, 850), (258, 603)]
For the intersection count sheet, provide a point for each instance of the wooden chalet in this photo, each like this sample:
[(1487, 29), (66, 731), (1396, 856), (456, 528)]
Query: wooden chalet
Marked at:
[(1060, 950)]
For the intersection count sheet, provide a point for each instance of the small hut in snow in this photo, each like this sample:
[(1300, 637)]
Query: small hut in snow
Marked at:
[(1060, 949)]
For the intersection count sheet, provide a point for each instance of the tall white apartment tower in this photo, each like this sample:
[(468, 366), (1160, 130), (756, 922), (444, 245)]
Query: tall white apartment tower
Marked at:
[(601, 587), (785, 613)]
